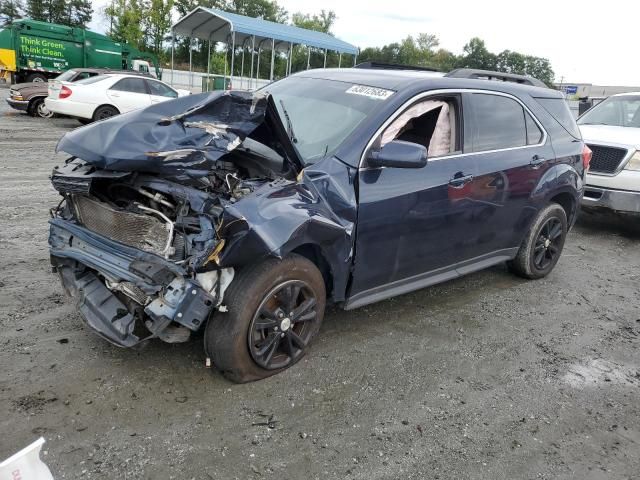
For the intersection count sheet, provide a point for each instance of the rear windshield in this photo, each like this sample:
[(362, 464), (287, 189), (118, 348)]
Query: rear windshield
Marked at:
[(559, 109), (90, 80), (66, 76)]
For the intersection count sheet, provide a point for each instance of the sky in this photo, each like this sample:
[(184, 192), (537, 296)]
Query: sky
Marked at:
[(586, 42)]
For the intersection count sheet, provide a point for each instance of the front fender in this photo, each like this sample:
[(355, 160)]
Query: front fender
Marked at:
[(318, 209)]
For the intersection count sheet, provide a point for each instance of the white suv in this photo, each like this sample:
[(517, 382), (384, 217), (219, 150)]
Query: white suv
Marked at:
[(612, 130)]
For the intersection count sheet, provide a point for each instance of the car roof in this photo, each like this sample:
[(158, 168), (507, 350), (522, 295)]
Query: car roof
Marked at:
[(403, 79), (109, 71)]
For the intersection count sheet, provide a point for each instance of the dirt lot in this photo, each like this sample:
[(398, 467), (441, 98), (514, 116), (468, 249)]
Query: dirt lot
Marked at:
[(484, 377)]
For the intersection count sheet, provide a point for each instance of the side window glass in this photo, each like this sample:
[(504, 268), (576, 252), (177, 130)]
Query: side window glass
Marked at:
[(534, 134), (497, 122), (132, 85), (161, 90), (429, 123), (82, 76)]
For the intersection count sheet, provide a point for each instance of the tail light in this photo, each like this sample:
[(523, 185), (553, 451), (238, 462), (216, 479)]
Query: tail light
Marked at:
[(65, 92), (586, 157)]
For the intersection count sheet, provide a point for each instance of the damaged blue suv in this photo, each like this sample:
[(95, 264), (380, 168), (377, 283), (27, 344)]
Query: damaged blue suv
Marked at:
[(244, 214)]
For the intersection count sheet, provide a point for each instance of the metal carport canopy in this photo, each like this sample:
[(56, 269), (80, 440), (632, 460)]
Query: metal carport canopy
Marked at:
[(217, 25)]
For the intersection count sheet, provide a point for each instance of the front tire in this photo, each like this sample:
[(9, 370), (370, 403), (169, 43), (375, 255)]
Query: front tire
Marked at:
[(274, 311), (542, 246), (39, 109)]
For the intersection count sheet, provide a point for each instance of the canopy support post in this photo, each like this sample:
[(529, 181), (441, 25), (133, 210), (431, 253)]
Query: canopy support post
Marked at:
[(325, 58), (233, 51), (290, 59), (253, 51), (339, 59), (208, 63), (308, 57), (273, 56), (190, 63), (173, 44), (258, 66), (242, 68), (355, 59)]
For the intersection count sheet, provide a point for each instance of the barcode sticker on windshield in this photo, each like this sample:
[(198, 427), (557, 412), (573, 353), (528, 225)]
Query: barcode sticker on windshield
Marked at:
[(371, 92)]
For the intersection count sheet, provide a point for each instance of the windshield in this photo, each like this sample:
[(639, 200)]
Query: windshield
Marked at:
[(621, 111), (66, 76), (319, 114)]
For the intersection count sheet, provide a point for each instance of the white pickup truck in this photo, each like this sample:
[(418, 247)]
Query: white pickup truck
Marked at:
[(611, 129)]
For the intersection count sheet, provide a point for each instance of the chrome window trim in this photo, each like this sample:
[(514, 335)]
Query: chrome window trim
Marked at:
[(431, 93)]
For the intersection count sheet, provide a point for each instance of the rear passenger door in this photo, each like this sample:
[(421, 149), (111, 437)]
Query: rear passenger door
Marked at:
[(512, 153), (129, 94)]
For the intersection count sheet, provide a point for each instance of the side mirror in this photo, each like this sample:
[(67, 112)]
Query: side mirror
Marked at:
[(398, 154)]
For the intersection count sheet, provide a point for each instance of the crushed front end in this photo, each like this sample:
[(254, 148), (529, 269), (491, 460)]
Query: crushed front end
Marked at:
[(137, 236)]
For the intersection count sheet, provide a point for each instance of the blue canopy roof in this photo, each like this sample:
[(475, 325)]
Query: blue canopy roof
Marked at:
[(217, 25)]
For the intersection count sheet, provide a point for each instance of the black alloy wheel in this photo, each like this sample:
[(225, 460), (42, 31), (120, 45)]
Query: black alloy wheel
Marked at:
[(548, 243), (283, 325)]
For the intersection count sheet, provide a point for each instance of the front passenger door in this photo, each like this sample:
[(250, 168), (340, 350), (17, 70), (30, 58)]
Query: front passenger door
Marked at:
[(129, 94)]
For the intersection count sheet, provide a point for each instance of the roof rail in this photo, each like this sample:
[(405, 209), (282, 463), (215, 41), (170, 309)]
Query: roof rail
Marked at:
[(499, 76), (393, 66)]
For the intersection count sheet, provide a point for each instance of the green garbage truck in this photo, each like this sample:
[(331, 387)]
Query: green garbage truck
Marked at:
[(37, 51)]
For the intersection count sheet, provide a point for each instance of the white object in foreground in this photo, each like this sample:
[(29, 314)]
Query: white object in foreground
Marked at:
[(26, 464)]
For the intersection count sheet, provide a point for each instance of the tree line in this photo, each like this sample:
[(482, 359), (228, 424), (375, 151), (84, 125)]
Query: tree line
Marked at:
[(146, 24)]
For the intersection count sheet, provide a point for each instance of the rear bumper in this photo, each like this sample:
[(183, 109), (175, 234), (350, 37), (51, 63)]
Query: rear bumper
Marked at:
[(69, 108), (22, 105), (619, 200), (152, 290)]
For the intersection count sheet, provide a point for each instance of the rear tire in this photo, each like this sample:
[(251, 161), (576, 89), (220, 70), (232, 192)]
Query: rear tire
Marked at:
[(542, 246), (36, 77), (104, 112), (258, 337)]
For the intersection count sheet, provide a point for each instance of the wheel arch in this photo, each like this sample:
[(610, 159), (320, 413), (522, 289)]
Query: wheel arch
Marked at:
[(33, 99), (314, 253), (568, 203), (93, 116)]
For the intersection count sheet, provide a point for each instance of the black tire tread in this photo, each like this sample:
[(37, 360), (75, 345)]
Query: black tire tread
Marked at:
[(226, 333), (521, 264)]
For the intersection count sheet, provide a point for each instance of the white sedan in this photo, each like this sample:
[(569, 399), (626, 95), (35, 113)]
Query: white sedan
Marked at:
[(104, 96)]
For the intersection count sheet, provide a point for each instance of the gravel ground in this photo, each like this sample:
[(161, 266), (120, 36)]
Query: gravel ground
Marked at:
[(488, 376)]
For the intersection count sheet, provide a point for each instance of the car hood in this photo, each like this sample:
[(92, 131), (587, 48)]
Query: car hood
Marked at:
[(609, 134), (30, 87), (183, 136)]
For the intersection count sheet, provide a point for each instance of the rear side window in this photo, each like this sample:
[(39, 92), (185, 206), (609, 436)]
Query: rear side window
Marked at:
[(559, 110), (132, 85), (161, 90), (495, 122)]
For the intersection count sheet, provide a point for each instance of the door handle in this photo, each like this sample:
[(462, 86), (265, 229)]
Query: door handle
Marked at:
[(459, 180), (537, 160), (117, 95)]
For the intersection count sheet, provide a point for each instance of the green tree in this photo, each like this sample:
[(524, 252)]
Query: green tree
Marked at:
[(9, 11), (266, 9), (126, 22), (157, 20), (321, 23), (476, 55), (74, 13)]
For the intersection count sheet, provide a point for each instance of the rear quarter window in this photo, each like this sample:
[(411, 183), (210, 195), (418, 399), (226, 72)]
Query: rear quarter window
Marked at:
[(559, 110)]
